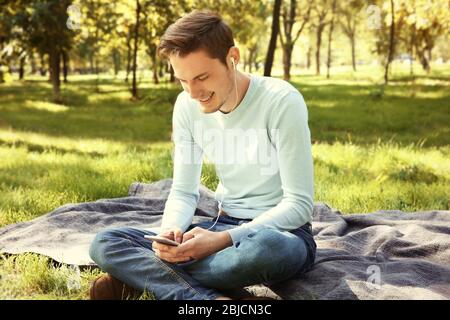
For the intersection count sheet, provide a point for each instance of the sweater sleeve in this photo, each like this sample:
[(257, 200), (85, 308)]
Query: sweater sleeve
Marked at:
[(292, 140), (187, 166)]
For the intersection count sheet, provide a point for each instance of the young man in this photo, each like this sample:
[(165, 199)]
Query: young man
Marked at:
[(255, 131)]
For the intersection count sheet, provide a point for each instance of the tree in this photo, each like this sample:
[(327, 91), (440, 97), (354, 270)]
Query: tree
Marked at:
[(157, 16), (65, 62), (98, 33), (330, 37), (46, 30), (350, 13), (273, 38), (151, 21), (414, 26), (120, 36), (391, 43), (320, 10), (427, 21), (135, 49), (289, 19), (14, 38), (247, 26)]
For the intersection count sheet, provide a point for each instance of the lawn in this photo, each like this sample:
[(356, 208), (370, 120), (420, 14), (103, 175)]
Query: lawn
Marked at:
[(374, 147)]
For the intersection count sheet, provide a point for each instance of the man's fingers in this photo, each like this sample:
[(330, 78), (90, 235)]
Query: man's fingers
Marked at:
[(187, 236), (171, 255), (178, 234), (172, 259), (163, 247), (173, 234)]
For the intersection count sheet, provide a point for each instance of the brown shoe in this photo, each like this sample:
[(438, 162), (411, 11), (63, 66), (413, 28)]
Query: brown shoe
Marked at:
[(107, 287)]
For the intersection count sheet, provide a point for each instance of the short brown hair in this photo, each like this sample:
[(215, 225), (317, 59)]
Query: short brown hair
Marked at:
[(200, 29)]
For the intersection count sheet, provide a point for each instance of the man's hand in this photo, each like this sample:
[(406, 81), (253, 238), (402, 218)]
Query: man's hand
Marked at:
[(196, 244), (167, 252), (200, 243)]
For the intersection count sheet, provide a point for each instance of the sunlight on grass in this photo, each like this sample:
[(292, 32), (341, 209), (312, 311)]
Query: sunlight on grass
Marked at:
[(43, 105), (354, 179), (31, 276), (47, 142)]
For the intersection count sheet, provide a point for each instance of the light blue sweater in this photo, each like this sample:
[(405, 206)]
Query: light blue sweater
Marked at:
[(262, 155)]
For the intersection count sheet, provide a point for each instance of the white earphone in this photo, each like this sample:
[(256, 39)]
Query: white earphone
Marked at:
[(219, 201)]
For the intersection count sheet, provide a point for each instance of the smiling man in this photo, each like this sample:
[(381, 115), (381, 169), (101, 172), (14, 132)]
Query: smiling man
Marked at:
[(255, 131)]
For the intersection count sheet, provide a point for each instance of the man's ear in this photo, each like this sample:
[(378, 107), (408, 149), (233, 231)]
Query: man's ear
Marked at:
[(234, 53)]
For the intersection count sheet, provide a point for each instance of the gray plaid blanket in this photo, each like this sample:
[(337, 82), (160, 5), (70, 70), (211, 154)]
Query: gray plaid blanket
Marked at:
[(381, 255)]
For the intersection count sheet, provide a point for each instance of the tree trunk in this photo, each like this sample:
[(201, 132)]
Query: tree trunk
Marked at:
[(116, 62), (42, 68), (245, 60), (97, 76), (128, 57), (21, 68), (308, 58), (420, 53), (91, 63), (287, 57), (155, 74), (33, 63), (54, 58), (391, 44), (411, 49), (65, 59), (273, 38), (161, 69), (251, 58), (411, 60), (318, 44), (154, 65), (429, 59), (255, 60), (352, 43), (49, 70), (2, 79), (330, 38), (172, 74), (136, 39)]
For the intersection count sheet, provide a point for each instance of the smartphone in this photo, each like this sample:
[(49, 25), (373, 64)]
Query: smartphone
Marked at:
[(162, 240)]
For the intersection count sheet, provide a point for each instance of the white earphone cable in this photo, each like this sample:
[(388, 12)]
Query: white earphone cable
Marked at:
[(217, 167), (221, 199)]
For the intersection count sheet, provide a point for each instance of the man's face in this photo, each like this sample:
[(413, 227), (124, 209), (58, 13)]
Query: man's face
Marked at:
[(207, 80)]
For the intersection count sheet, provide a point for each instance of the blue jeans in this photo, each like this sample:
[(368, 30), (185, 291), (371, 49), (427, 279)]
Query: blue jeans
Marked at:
[(265, 257)]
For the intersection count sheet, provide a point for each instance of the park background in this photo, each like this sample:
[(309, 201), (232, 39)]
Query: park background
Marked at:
[(86, 105)]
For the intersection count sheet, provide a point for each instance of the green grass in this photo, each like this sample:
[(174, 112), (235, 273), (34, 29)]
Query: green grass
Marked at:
[(374, 148)]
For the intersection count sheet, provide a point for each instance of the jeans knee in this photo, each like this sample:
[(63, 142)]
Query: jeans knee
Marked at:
[(270, 240), (94, 249), (98, 247), (274, 247)]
